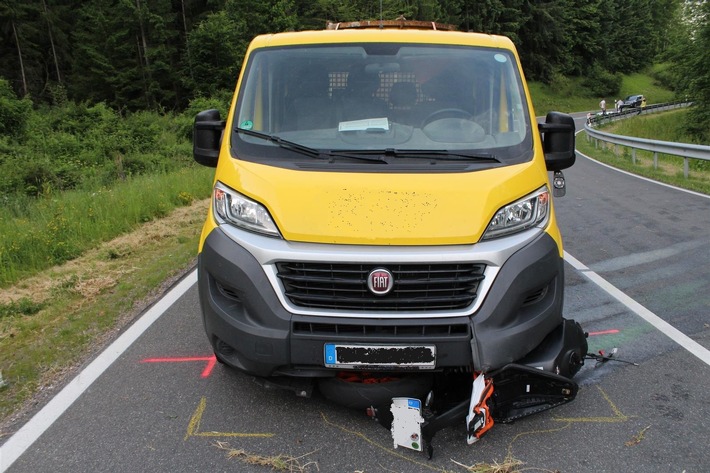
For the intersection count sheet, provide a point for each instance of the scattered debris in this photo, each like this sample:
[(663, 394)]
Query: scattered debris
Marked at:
[(279, 462), (509, 465), (601, 357), (636, 439)]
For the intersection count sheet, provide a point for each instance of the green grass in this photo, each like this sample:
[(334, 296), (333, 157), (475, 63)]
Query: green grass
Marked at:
[(562, 95), (646, 85), (36, 234), (567, 95), (666, 126), (71, 311)]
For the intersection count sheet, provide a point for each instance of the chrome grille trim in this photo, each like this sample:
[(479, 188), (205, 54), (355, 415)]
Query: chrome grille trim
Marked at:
[(417, 287)]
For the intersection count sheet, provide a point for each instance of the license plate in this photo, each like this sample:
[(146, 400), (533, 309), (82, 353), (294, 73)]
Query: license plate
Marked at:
[(380, 356)]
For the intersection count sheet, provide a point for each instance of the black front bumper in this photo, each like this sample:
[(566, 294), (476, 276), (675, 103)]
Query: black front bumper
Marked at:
[(251, 330)]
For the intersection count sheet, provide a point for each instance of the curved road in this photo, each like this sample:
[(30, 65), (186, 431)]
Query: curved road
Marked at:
[(638, 278)]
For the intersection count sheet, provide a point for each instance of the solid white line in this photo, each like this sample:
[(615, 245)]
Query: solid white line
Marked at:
[(664, 327), (40, 422)]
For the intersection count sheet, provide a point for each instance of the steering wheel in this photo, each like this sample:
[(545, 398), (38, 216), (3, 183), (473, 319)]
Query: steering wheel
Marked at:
[(447, 113)]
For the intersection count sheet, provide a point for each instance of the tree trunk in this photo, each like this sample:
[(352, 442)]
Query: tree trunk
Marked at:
[(143, 38), (51, 41), (187, 44), (19, 54)]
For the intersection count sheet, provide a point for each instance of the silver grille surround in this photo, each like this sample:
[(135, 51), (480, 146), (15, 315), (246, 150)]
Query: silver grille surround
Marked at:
[(270, 251), (416, 287)]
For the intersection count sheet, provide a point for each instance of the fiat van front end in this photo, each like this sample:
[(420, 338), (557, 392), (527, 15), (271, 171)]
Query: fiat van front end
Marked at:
[(382, 203)]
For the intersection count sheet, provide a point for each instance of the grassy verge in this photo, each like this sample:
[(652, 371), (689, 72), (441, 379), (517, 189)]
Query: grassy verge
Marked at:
[(54, 320), (52, 316), (667, 169), (36, 234)]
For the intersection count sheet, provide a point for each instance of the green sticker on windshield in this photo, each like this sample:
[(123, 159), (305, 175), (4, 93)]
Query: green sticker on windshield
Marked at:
[(247, 125)]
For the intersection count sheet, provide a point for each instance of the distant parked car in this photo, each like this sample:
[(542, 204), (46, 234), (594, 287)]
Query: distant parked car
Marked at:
[(632, 101)]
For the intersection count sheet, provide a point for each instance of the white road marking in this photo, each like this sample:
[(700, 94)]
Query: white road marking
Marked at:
[(40, 422), (664, 327), (636, 259)]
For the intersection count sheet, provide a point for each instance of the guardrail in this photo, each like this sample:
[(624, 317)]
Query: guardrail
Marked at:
[(612, 115), (684, 150)]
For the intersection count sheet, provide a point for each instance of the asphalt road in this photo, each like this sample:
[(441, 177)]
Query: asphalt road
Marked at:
[(638, 278)]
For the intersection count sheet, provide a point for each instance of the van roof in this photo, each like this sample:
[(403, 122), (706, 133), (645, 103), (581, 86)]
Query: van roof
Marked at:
[(390, 34)]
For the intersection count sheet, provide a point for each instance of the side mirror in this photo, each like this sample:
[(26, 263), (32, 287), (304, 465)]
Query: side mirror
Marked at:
[(558, 140), (206, 137)]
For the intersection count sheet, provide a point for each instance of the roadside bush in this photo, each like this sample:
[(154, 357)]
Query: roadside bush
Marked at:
[(221, 102), (10, 164), (142, 163), (38, 178), (696, 123), (562, 84), (81, 146), (13, 111), (602, 83), (663, 74)]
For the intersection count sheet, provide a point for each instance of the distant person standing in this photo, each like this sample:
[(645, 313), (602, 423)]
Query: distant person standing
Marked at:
[(602, 105), (619, 103), (643, 101)]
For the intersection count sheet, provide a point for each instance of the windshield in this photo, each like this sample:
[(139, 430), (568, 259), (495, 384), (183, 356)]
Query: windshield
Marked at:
[(394, 98)]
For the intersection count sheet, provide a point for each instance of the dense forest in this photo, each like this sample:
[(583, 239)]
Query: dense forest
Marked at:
[(159, 54)]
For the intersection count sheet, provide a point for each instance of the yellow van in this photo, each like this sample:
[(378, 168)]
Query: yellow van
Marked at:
[(382, 209)]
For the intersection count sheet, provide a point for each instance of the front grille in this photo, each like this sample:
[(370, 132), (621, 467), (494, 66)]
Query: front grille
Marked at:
[(417, 287)]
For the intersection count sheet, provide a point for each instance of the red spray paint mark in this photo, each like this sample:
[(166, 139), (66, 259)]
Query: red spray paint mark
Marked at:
[(604, 332), (211, 361)]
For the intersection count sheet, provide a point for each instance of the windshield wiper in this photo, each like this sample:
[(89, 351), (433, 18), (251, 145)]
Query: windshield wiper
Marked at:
[(372, 155), (308, 151), (293, 146), (437, 154)]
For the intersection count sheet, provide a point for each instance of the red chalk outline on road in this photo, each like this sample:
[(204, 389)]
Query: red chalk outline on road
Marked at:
[(211, 361)]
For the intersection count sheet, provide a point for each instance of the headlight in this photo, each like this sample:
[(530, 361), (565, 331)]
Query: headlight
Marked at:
[(530, 211), (234, 208)]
